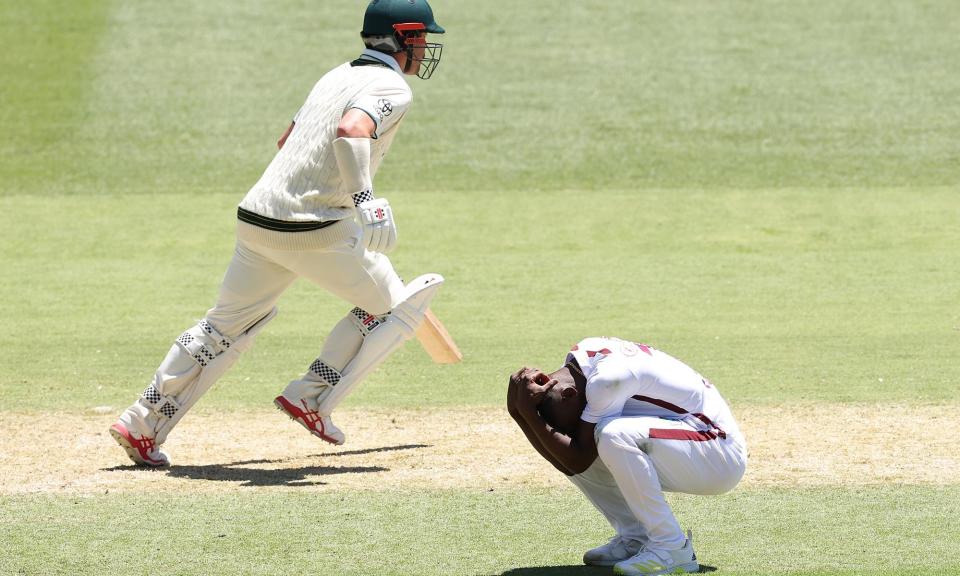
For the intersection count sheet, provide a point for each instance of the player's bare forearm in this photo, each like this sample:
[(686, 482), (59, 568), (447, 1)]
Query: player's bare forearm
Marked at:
[(535, 442), (564, 452), (513, 407), (525, 392)]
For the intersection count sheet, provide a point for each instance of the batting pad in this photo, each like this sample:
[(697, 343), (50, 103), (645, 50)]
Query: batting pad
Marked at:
[(178, 386), (400, 325)]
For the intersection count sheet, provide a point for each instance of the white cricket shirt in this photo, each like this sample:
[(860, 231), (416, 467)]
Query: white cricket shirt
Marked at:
[(629, 379), (302, 183)]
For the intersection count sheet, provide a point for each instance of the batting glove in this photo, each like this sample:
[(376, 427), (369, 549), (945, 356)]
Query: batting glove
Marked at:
[(379, 229)]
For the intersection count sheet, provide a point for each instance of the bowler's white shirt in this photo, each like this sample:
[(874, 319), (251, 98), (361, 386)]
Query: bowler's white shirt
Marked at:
[(629, 379)]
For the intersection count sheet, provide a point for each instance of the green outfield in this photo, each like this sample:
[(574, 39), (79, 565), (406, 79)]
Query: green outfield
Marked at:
[(769, 191)]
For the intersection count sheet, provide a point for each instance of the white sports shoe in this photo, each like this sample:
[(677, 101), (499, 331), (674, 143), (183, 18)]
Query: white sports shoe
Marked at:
[(615, 550), (649, 562), (143, 451)]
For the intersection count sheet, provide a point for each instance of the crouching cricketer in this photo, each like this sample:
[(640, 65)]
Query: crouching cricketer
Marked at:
[(626, 422)]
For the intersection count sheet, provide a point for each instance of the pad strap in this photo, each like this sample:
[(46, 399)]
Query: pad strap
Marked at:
[(325, 371), (222, 341), (365, 321), (163, 406), (204, 343)]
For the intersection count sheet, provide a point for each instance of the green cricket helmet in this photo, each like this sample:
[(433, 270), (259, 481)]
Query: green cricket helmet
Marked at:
[(399, 26)]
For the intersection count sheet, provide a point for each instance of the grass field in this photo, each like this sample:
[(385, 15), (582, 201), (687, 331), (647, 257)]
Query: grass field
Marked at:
[(769, 191)]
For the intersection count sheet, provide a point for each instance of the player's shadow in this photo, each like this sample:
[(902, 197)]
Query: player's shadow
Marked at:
[(239, 472), (578, 570), (265, 477)]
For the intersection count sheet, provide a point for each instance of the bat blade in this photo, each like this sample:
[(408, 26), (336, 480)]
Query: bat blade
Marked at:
[(435, 339)]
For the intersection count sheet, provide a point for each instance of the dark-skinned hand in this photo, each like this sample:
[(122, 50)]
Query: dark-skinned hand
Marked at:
[(527, 388)]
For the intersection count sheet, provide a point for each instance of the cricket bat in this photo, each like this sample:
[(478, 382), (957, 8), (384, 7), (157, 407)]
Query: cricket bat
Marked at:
[(437, 341)]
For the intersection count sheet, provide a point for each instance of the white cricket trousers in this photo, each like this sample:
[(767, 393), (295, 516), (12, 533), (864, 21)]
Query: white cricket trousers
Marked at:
[(643, 468), (600, 488), (258, 275), (255, 279)]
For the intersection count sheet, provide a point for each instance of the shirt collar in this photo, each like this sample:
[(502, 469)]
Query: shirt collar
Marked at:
[(385, 58)]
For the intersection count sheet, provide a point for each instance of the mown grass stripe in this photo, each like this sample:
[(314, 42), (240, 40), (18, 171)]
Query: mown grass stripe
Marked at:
[(46, 78), (871, 531)]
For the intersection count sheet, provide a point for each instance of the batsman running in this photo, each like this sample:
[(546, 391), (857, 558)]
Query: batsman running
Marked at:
[(626, 422), (313, 214)]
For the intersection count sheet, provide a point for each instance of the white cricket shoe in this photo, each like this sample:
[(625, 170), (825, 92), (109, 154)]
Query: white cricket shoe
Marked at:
[(615, 550), (143, 451), (319, 425), (651, 562)]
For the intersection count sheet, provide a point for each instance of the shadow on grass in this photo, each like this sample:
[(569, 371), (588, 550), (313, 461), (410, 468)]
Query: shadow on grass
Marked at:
[(383, 449), (261, 477), (236, 472), (339, 454), (577, 570)]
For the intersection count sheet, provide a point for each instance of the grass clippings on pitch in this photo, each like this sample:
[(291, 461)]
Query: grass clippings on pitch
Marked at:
[(807, 445)]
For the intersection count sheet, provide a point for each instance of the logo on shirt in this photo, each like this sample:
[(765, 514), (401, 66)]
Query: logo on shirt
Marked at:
[(634, 348), (384, 107)]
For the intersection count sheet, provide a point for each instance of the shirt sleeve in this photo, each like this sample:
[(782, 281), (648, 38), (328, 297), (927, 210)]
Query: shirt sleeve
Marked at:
[(608, 389), (385, 105)]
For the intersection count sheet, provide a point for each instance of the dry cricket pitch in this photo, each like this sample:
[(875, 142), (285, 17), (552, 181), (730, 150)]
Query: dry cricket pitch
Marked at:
[(481, 448)]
